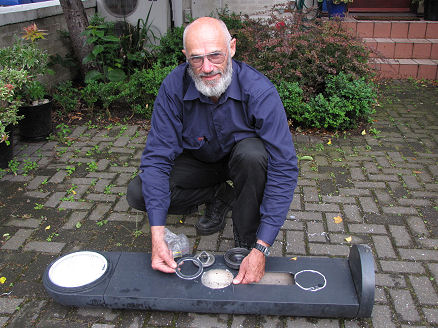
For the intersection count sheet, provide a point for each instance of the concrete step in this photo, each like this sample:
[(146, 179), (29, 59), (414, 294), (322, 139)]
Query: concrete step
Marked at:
[(403, 48), (407, 68)]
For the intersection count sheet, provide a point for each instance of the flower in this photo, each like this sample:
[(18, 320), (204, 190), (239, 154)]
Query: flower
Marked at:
[(280, 25)]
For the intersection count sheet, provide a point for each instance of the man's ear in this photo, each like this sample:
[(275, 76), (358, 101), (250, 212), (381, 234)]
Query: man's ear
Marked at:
[(233, 47), (184, 52)]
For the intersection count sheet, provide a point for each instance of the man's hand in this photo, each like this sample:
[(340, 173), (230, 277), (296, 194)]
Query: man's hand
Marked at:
[(252, 267), (162, 259)]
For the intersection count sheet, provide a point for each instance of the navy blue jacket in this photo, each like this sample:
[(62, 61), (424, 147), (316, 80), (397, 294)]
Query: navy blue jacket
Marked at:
[(185, 119)]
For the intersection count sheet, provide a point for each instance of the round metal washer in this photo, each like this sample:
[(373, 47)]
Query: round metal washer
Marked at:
[(234, 257), (196, 261), (206, 258)]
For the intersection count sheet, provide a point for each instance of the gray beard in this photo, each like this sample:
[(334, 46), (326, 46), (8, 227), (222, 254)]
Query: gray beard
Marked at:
[(215, 89)]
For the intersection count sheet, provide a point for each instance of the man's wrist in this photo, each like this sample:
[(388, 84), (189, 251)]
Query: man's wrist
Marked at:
[(262, 247)]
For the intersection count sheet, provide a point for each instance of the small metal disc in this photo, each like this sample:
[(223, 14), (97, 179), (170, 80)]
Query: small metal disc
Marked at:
[(207, 259), (192, 276)]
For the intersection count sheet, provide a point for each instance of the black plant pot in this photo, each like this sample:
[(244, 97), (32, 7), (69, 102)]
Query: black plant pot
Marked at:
[(431, 10), (37, 122), (7, 152)]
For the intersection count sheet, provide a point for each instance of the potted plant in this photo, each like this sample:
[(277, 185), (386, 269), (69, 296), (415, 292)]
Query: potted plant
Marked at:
[(10, 81), (25, 55), (337, 8)]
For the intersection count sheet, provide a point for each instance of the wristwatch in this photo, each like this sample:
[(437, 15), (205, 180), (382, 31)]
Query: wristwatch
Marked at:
[(263, 249)]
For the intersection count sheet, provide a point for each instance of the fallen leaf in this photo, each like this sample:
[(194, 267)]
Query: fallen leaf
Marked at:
[(348, 239), (73, 192), (181, 221), (293, 258), (363, 132), (337, 219), (47, 228), (417, 172), (27, 216), (306, 158), (329, 142), (2, 280)]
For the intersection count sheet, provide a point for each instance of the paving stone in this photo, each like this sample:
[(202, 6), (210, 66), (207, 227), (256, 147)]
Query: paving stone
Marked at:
[(382, 316), (101, 198), (306, 323), (17, 239), (418, 254), (295, 242), (367, 228), (383, 247), (37, 194), (402, 210), (107, 314), (315, 232), (321, 207), (424, 290), (36, 182), (401, 266), (400, 235), (124, 217), (368, 204), (9, 305), (431, 315), (404, 304), (416, 224), (27, 314), (353, 214), (54, 199), (44, 246), (196, 320), (307, 216), (58, 177), (102, 325), (3, 320), (100, 212), (75, 205), (74, 218), (332, 250), (24, 223)]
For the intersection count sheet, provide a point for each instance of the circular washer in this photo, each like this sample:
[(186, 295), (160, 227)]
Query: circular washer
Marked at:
[(206, 258), (195, 261), (234, 257), (78, 269)]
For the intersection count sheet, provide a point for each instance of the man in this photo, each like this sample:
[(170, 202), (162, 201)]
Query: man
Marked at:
[(216, 119)]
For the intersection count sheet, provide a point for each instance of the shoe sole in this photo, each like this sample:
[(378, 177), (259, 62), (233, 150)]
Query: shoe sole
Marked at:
[(206, 232)]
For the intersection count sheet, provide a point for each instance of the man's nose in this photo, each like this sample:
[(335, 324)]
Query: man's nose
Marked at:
[(207, 66)]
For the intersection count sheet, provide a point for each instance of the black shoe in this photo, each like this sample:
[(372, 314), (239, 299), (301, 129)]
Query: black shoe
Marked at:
[(216, 211)]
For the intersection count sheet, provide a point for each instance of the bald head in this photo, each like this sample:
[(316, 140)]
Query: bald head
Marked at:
[(206, 27)]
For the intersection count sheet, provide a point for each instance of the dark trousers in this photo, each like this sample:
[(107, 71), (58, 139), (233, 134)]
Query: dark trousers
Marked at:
[(193, 182)]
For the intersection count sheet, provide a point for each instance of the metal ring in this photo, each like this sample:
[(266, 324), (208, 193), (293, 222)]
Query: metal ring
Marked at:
[(196, 261), (312, 288), (206, 258)]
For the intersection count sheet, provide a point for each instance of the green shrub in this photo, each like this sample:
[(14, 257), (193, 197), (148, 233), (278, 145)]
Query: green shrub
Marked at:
[(66, 96), (344, 104), (169, 52), (142, 88)]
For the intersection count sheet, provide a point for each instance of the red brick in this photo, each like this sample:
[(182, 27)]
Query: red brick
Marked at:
[(399, 30), (365, 29), (417, 30), (390, 70), (403, 49), (421, 50), (408, 68), (372, 45), (385, 47), (432, 30), (382, 29), (350, 27), (434, 51), (427, 69)]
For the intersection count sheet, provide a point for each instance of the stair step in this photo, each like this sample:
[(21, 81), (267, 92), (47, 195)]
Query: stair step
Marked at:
[(406, 68), (392, 29), (403, 48)]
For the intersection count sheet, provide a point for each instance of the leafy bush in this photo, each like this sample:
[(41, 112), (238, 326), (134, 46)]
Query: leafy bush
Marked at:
[(142, 88), (345, 102), (168, 52), (307, 53), (66, 96)]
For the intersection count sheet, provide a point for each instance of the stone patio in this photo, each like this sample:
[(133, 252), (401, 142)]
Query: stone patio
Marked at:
[(69, 194)]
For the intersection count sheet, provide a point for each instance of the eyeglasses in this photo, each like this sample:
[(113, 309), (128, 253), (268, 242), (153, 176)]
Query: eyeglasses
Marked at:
[(214, 57)]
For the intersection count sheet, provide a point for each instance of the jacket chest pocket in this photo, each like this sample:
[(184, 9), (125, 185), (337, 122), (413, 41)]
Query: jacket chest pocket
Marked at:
[(194, 141)]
